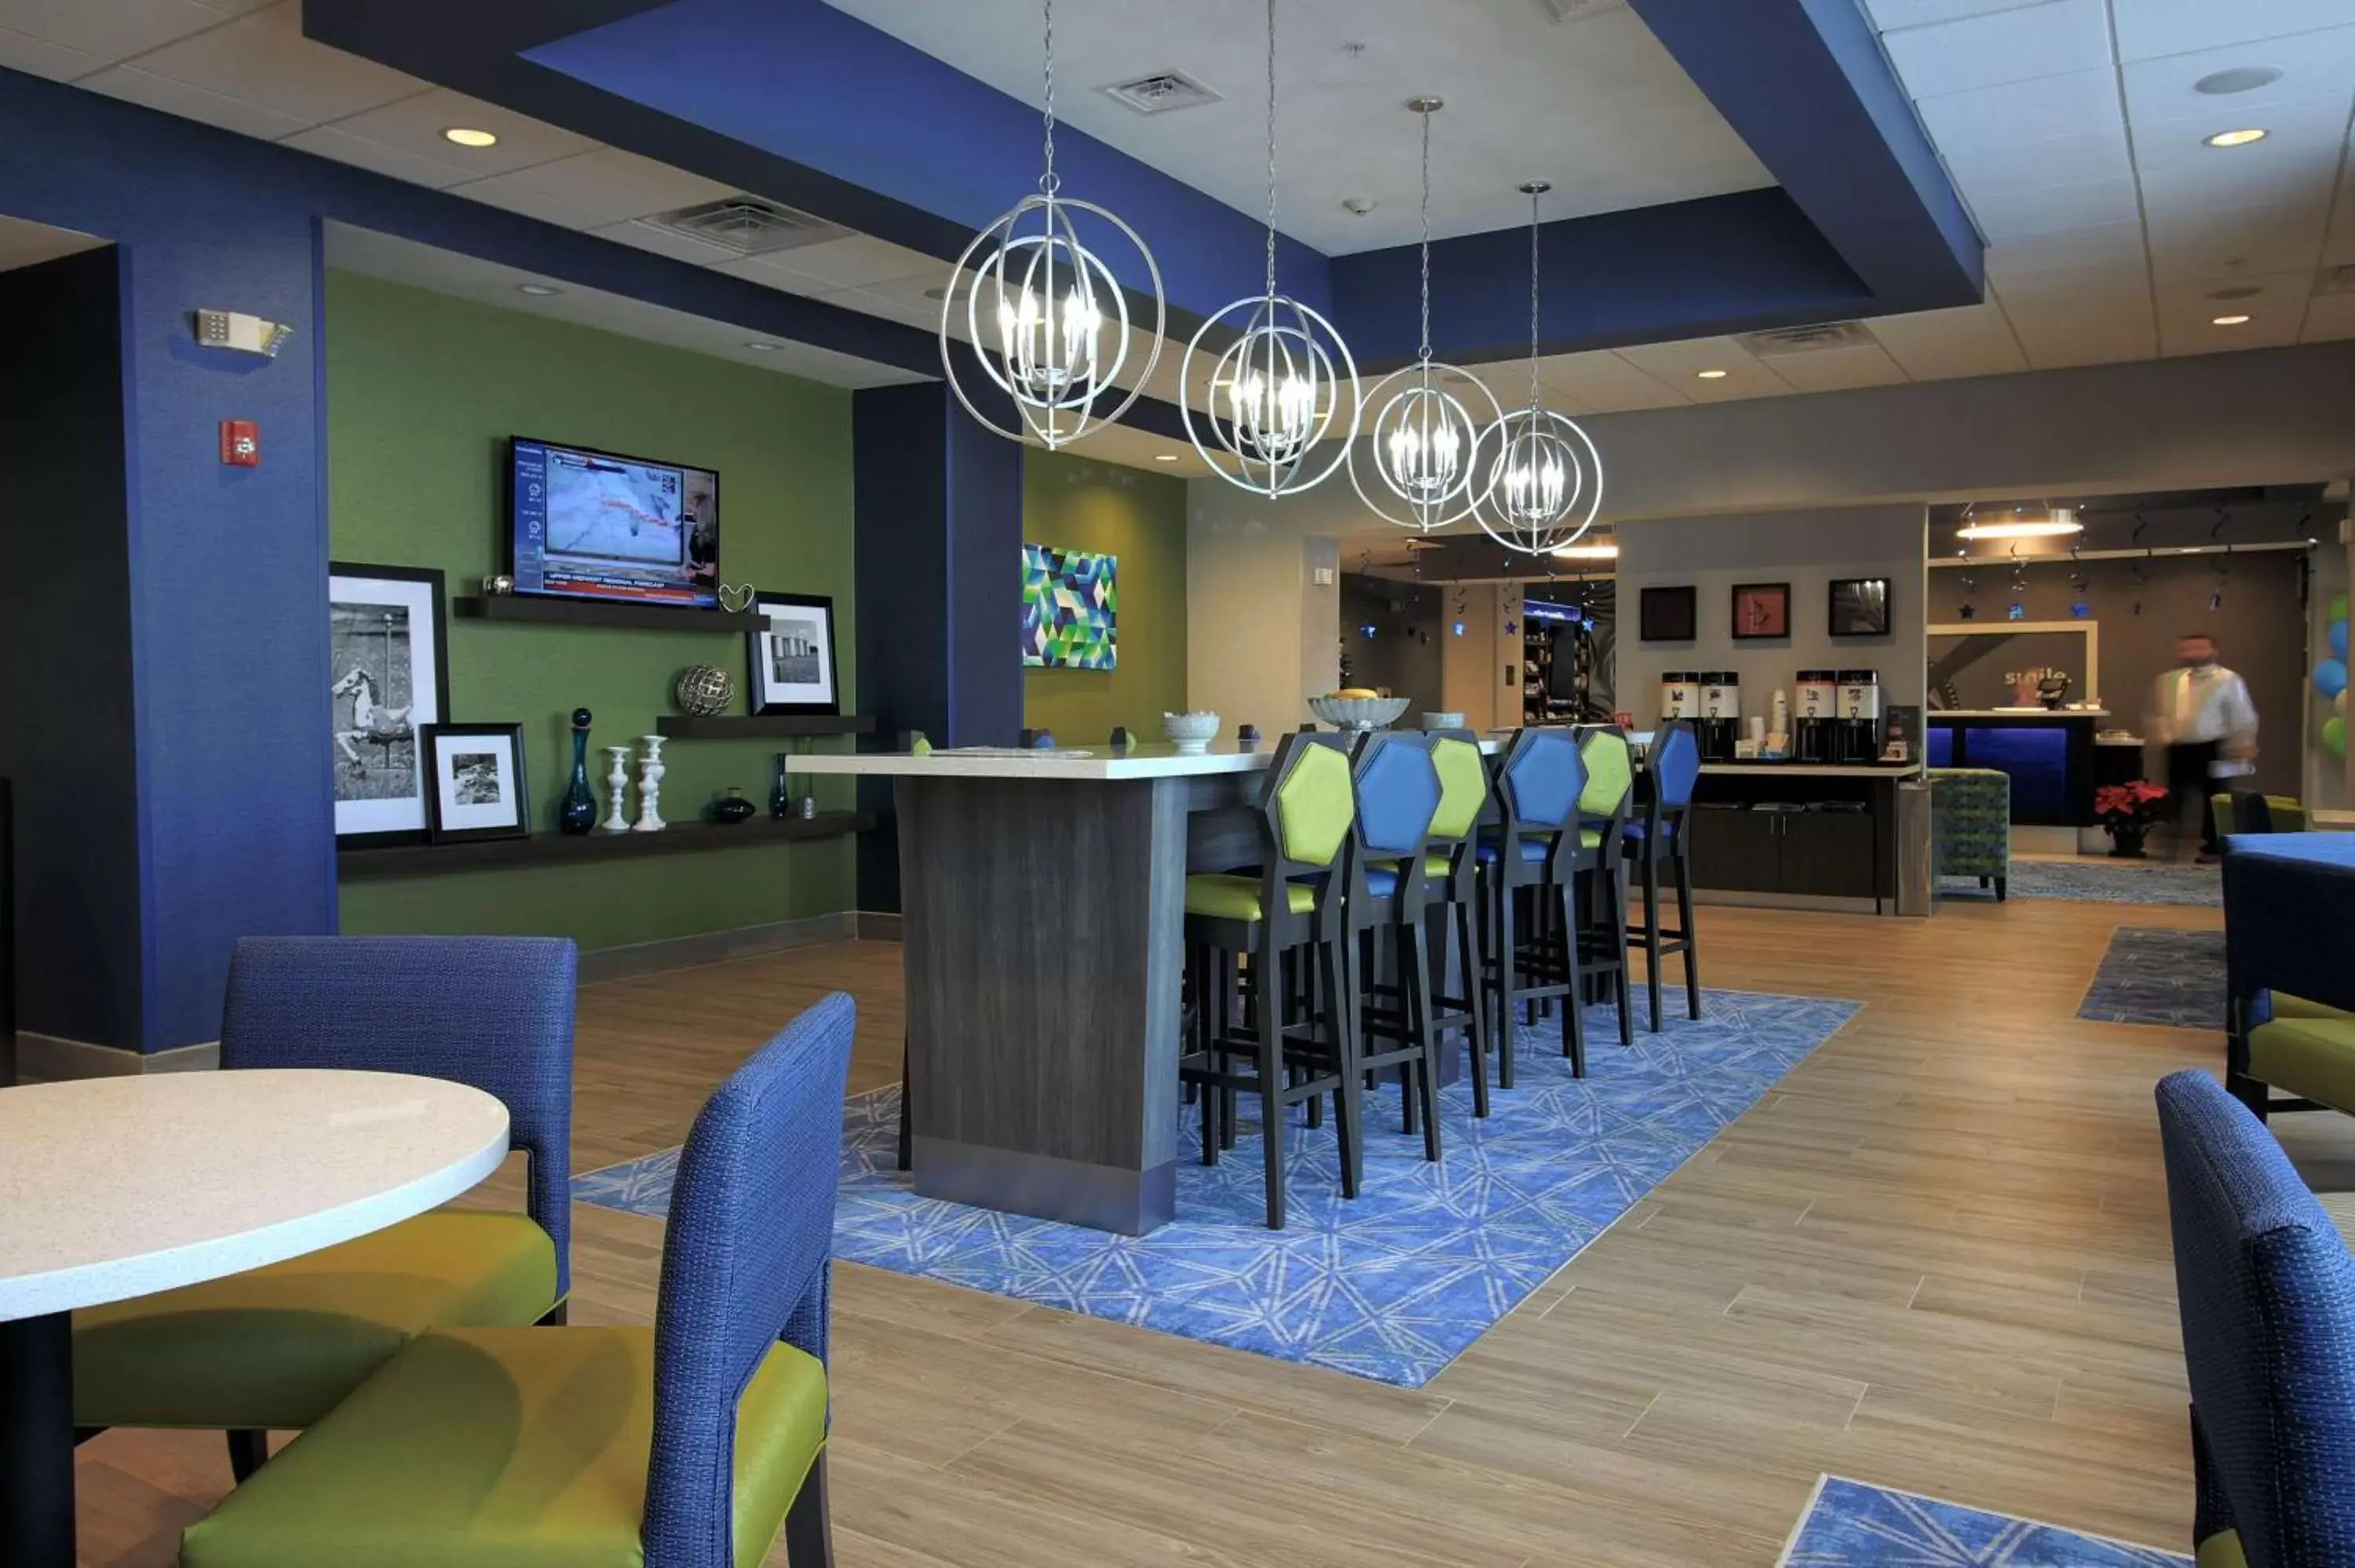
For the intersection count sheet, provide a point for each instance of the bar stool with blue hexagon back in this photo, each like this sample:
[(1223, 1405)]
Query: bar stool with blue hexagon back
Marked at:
[(1295, 1044), (1656, 840), (1389, 902), (1531, 856)]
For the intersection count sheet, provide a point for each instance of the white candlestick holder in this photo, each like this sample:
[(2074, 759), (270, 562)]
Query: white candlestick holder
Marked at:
[(617, 782), (650, 777)]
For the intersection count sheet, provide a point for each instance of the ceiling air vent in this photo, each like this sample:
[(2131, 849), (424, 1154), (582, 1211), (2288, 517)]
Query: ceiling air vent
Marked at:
[(746, 225), (1161, 93), (1814, 339)]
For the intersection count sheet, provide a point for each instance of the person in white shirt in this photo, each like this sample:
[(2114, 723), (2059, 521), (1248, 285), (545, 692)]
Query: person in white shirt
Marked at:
[(2200, 713)]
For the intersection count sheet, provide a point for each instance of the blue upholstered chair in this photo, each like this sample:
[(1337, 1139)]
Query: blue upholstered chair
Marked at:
[(685, 1446), (1656, 840), (280, 1346), (2267, 1293), (1396, 1025), (1532, 855)]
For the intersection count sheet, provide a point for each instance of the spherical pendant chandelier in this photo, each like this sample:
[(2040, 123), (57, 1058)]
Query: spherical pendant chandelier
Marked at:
[(1416, 469), (1285, 384), (1540, 478), (1046, 322)]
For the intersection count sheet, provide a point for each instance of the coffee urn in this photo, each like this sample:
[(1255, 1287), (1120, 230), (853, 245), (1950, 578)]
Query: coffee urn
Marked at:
[(1857, 735), (1680, 696), (1818, 715), (1721, 715)]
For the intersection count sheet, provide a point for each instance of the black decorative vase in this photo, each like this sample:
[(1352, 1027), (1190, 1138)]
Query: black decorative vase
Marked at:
[(781, 803), (731, 807), (578, 814)]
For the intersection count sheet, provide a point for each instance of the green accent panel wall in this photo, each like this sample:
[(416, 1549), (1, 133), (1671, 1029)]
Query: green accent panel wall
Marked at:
[(1072, 503), (423, 392)]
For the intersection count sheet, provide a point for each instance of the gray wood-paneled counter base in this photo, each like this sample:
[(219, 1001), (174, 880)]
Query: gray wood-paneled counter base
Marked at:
[(1043, 905)]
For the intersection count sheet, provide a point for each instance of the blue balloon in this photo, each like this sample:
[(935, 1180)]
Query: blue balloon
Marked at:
[(2338, 640), (2330, 677)]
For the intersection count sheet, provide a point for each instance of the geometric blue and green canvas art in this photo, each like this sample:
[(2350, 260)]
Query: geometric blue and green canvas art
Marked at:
[(1071, 608), (1851, 1525), (1391, 1285)]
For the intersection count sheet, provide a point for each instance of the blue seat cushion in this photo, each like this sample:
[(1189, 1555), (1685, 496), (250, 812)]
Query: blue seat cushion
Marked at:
[(1639, 830), (1380, 881), (1533, 850)]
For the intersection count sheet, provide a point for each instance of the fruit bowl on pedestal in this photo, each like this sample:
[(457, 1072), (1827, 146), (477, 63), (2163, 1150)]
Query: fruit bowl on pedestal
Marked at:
[(1357, 710)]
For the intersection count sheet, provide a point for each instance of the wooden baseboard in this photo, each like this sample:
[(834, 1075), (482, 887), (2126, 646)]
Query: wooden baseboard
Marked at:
[(716, 947), (50, 1059)]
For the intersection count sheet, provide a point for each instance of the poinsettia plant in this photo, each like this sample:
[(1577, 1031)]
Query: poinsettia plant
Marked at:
[(2136, 804)]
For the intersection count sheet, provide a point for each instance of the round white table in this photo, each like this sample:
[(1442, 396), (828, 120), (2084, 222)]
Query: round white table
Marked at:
[(111, 1187)]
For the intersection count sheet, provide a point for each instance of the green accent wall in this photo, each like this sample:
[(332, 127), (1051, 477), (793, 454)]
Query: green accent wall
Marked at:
[(423, 392), (1075, 505)]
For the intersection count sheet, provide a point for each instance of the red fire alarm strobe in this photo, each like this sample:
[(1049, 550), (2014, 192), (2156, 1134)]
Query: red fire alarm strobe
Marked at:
[(241, 443)]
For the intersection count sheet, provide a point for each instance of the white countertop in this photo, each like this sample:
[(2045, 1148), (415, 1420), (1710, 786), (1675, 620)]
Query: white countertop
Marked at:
[(1147, 760), (1933, 715), (111, 1187), (1818, 770)]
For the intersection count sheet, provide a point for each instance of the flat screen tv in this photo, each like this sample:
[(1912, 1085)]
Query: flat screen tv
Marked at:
[(590, 525)]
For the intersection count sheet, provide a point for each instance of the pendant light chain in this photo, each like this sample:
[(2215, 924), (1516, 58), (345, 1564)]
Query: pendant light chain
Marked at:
[(1050, 182), (1533, 297), (1270, 149), (1423, 352)]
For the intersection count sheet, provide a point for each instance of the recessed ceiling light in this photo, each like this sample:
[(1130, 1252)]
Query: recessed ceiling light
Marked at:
[(1586, 553), (537, 290), (1710, 375), (1165, 456), (2239, 79), (467, 137), (758, 346), (2237, 138), (2057, 521), (2232, 321)]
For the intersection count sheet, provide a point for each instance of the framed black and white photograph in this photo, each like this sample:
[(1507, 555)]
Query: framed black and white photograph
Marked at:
[(387, 677), (474, 782), (1860, 606), (792, 655), (1667, 614)]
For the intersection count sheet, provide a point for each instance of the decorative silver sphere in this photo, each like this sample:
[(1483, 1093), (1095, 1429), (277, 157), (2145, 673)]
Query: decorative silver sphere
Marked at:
[(702, 691), (1285, 382), (1420, 441), (1540, 480)]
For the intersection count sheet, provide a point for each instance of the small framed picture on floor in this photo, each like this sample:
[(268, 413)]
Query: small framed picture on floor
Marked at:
[(474, 782), (792, 655)]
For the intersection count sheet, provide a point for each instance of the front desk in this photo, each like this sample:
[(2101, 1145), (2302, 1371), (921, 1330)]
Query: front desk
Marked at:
[(2050, 755)]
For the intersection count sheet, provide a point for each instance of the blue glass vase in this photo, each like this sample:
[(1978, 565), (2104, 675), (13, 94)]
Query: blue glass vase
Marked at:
[(578, 815)]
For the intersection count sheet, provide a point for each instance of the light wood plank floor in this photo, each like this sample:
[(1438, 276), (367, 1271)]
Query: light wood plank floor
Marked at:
[(1935, 1257)]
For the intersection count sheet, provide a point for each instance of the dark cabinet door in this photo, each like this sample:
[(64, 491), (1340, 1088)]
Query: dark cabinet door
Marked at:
[(1828, 853), (1736, 850)]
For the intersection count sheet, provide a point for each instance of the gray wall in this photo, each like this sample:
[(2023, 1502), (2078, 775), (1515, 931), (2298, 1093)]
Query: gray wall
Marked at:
[(1404, 657), (1806, 549)]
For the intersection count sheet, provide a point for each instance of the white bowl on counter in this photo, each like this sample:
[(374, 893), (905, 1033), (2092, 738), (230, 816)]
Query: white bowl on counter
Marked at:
[(1191, 733), (1359, 713)]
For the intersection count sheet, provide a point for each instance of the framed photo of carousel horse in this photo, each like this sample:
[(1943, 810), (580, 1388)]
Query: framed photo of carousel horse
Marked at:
[(389, 675)]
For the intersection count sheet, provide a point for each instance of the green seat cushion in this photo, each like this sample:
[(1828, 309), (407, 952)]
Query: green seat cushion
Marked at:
[(2222, 1550), (1590, 837), (2288, 1006), (503, 1448), (281, 1346), (1237, 897), (2312, 1057)]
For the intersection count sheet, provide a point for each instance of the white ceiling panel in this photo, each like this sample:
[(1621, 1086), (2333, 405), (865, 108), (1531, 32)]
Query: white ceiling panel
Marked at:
[(2115, 286), (414, 125), (133, 85), (331, 141), (1891, 14), (110, 30), (2061, 160), (2293, 125), (2227, 241), (1934, 345), (1593, 381), (2020, 211), (2187, 316), (1838, 369), (663, 242), (2311, 65), (2330, 317), (38, 56), (2110, 244), (2294, 175), (2001, 47), (2147, 28), (2081, 103), (24, 244), (2056, 340), (1679, 365), (263, 58), (772, 273), (590, 190), (859, 261)]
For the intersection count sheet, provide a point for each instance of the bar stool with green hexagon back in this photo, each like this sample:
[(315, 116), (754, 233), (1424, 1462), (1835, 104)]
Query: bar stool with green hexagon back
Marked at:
[(1398, 795), (1291, 913), (1602, 810), (1452, 885), (1654, 837), (1531, 855)]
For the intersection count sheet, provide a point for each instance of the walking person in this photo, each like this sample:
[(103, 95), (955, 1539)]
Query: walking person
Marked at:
[(2200, 713)]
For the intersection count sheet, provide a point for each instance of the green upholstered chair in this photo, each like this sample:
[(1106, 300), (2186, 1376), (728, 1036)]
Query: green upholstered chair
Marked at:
[(1970, 812), (1293, 1043), (686, 1446), (2303, 1049), (2246, 811)]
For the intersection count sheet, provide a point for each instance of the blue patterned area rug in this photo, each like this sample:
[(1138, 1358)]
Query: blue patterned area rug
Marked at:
[(2117, 881), (2157, 974), (1391, 1286), (1851, 1525)]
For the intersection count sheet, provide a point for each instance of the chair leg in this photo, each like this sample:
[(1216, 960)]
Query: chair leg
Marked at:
[(248, 1450), (1692, 940), (1267, 1002), (1613, 892), (1574, 1012), (1998, 887), (1348, 1095), (1475, 1031), (907, 1123), (1508, 1012), (809, 1535), (1414, 971), (1652, 931)]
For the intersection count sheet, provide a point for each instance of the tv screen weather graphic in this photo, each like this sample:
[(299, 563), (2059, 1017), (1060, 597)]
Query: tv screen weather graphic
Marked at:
[(595, 525)]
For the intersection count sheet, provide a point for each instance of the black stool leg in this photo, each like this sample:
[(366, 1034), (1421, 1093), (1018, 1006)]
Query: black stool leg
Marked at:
[(1507, 1008), (1414, 971), (248, 1452), (1574, 1012), (809, 1536), (1652, 929), (1267, 1002), (907, 1124), (1349, 1106), (1684, 924), (1612, 891), (1476, 1004)]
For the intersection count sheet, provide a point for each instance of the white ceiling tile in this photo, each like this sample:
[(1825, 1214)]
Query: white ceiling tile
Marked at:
[(263, 58), (2098, 245), (857, 260), (663, 242), (2338, 248), (2061, 160), (2311, 65), (867, 301), (24, 244), (135, 85), (2055, 344), (1889, 15), (1838, 369), (1935, 346), (2046, 209), (109, 29), (2147, 28), (2294, 173), (414, 125), (589, 190), (2228, 242), (328, 142), (1597, 381), (38, 56), (1679, 365), (2113, 286), (2295, 126), (2188, 312), (767, 270), (2000, 46), (2330, 317), (2083, 103)]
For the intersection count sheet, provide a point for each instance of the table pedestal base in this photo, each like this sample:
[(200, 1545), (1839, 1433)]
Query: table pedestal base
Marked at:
[(36, 1442)]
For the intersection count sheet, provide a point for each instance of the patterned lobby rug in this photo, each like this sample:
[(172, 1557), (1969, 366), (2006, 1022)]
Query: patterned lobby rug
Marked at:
[(2115, 882), (2157, 974), (1391, 1286), (1851, 1525)]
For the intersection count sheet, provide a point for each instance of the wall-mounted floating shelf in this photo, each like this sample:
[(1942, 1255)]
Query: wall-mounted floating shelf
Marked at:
[(557, 849), (604, 612), (748, 726)]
